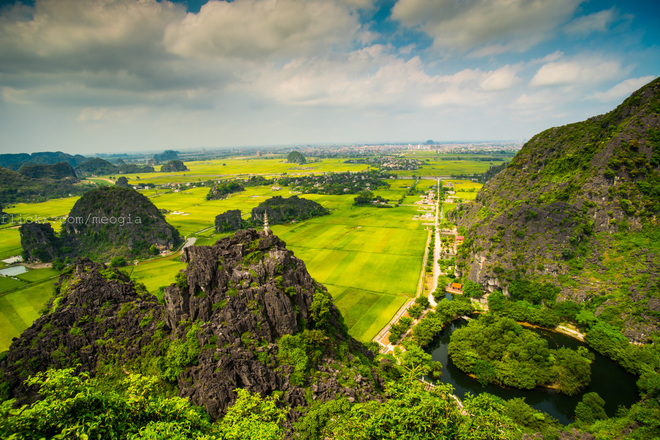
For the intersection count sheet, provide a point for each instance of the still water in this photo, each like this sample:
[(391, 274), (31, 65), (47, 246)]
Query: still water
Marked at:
[(609, 380)]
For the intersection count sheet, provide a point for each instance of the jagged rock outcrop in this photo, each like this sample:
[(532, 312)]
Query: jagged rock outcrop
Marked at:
[(39, 242), (229, 221), (116, 221), (563, 209), (248, 290), (284, 210), (96, 314), (221, 328)]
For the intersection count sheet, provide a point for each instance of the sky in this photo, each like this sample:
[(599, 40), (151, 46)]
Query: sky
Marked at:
[(104, 76)]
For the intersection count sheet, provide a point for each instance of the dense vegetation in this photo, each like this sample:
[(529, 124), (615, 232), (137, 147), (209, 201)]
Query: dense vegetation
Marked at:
[(223, 189), (499, 350), (58, 171), (285, 210), (336, 183), (15, 187), (15, 161), (173, 166), (576, 208), (114, 221)]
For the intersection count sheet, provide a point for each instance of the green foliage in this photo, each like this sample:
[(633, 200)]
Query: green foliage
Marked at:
[(533, 292), (472, 289), (180, 354), (529, 419), (319, 311), (118, 262), (181, 280), (590, 409), (433, 322), (77, 406), (499, 350), (522, 311), (415, 362), (302, 351), (253, 417), (414, 414)]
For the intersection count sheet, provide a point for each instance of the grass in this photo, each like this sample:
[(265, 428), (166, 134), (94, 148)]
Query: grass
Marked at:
[(9, 283), (368, 258), (156, 273), (10, 243), (19, 309)]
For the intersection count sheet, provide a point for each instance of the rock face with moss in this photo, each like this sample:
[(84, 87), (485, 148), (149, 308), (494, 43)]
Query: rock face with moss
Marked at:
[(578, 207), (96, 314), (266, 324), (229, 221), (281, 210), (39, 242), (115, 221), (244, 314)]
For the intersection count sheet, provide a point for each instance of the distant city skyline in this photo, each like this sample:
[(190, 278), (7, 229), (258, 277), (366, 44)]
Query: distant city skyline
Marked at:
[(106, 76)]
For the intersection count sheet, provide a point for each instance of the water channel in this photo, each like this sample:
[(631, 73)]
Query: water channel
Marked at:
[(608, 379)]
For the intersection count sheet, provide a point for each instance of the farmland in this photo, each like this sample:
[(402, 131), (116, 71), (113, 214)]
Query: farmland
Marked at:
[(368, 258)]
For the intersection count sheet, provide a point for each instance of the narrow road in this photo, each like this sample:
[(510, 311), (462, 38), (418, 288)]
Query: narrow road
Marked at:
[(436, 249)]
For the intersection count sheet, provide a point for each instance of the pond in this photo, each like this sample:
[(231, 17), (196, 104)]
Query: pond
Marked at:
[(608, 379), (13, 271)]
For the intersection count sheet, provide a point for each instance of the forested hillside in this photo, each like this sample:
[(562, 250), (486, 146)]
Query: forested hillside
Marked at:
[(578, 208)]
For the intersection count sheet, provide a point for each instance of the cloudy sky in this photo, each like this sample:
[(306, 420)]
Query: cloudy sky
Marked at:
[(94, 76)]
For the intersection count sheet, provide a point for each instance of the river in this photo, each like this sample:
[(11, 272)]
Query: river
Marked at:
[(608, 379)]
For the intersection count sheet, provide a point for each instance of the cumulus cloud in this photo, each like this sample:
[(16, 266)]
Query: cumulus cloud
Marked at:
[(587, 24), (377, 78), (501, 79), (256, 28), (622, 90), (582, 70), (485, 27)]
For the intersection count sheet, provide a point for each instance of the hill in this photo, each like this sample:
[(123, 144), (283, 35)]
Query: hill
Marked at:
[(577, 208), (58, 171), (296, 157), (173, 166), (281, 210), (15, 187), (15, 161), (113, 221), (96, 166)]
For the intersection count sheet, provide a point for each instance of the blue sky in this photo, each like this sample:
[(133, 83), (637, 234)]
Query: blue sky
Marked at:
[(94, 76)]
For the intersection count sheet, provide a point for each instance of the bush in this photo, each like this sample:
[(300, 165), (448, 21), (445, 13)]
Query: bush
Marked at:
[(118, 262)]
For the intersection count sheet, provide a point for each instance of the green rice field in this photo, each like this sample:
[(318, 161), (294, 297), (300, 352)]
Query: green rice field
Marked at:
[(19, 308), (370, 259)]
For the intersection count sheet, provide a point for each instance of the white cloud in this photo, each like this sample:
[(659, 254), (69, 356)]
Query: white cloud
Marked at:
[(622, 90), (596, 22), (501, 79), (489, 26), (255, 28), (580, 70)]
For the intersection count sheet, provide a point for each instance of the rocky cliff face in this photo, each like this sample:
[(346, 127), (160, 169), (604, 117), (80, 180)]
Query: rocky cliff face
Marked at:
[(229, 221), (96, 315), (244, 314), (249, 291), (39, 242), (577, 206)]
